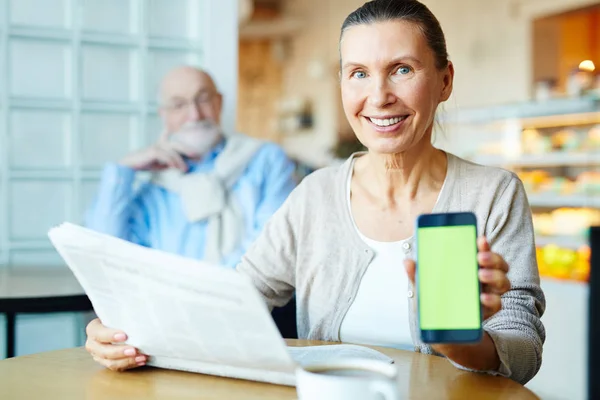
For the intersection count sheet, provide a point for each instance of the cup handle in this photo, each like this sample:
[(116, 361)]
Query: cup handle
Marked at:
[(387, 389)]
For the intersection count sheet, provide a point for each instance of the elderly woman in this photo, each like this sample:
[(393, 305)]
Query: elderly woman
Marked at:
[(343, 240)]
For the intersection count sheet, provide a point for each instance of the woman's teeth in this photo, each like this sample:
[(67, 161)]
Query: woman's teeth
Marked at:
[(387, 121)]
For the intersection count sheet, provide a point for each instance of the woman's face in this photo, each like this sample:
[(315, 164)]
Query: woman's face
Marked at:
[(390, 85)]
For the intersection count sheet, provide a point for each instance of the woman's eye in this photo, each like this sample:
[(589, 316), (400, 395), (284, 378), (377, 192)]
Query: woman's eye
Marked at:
[(403, 70), (359, 75)]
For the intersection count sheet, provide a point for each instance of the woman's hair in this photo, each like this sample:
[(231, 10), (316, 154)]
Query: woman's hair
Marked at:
[(405, 10)]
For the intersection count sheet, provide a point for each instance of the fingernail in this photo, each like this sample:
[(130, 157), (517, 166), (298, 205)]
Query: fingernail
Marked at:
[(119, 337), (486, 256), (141, 364), (140, 359), (129, 352), (485, 273)]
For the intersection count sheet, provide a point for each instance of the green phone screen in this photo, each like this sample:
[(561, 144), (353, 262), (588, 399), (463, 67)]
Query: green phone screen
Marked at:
[(448, 287)]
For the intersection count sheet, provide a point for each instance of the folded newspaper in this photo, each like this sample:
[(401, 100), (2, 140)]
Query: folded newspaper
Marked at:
[(186, 314)]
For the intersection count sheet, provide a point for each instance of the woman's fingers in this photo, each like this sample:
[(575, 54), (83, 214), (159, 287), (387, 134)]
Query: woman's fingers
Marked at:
[(103, 344), (494, 280), (491, 304), (121, 364), (103, 334)]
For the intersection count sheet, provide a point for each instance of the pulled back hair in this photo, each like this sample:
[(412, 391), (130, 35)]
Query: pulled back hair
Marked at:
[(403, 10)]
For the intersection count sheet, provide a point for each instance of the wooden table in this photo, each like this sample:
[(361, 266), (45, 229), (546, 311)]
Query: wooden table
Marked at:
[(72, 374), (38, 290)]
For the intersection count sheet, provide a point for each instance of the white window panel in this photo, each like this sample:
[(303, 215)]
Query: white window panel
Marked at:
[(109, 73), (60, 332), (110, 16), (35, 258), (39, 139), (36, 206), (161, 61), (40, 69), (40, 13), (105, 137), (154, 127), (175, 18)]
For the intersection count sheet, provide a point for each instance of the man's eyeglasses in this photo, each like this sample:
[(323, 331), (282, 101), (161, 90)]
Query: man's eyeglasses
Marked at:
[(180, 104)]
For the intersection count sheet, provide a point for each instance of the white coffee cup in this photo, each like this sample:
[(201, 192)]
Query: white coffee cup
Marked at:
[(351, 379)]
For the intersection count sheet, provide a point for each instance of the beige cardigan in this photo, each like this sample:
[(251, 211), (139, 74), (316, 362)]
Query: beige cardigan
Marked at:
[(311, 246)]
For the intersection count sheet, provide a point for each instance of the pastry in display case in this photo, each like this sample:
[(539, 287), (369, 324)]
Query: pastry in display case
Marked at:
[(564, 263)]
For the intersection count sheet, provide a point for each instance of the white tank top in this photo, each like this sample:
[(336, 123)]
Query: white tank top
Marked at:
[(379, 314)]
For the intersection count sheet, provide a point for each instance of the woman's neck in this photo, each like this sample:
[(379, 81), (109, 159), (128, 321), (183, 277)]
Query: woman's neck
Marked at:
[(401, 177)]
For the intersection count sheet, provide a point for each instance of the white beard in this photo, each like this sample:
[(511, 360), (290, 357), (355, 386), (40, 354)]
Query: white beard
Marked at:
[(198, 136)]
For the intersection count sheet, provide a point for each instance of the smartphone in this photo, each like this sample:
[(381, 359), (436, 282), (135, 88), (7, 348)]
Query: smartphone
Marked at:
[(448, 288)]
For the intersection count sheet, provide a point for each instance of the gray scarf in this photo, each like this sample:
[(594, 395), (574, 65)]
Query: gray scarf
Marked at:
[(208, 196)]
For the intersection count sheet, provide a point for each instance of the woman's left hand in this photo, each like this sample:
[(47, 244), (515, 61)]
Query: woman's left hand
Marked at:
[(492, 276)]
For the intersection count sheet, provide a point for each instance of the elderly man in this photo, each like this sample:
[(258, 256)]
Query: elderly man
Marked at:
[(209, 194)]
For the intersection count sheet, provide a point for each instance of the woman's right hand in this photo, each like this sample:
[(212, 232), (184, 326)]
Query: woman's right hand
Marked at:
[(103, 344)]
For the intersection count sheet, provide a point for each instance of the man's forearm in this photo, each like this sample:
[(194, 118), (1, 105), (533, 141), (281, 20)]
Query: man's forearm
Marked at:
[(111, 210)]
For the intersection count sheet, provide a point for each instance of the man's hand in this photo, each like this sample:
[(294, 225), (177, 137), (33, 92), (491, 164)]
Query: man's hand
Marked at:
[(161, 155)]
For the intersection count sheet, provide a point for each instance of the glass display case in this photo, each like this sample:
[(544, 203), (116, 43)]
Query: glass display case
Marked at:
[(554, 147)]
